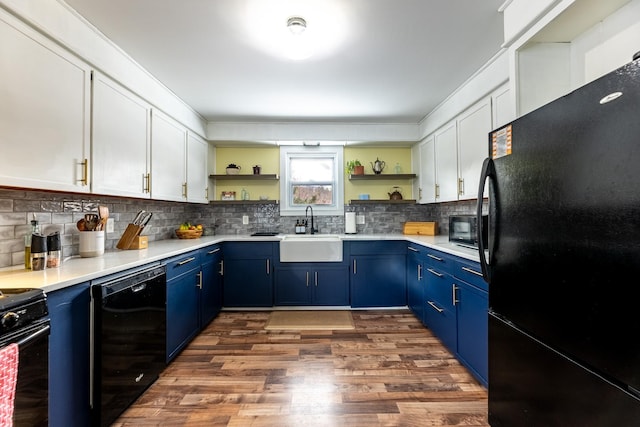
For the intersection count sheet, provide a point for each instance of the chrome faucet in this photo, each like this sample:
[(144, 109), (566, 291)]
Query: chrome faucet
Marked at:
[(313, 230)]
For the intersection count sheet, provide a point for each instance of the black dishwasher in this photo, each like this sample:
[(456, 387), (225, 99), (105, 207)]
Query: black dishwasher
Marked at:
[(127, 340)]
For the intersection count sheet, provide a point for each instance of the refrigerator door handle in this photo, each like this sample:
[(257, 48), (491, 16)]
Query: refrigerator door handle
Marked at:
[(488, 173)]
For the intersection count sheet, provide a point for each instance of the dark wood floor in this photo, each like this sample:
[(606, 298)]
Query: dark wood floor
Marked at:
[(388, 371)]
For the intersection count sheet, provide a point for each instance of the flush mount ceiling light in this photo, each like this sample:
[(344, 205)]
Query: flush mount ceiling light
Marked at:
[(278, 28), (296, 25)]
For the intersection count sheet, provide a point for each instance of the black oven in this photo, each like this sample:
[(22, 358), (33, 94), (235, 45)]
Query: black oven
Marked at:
[(24, 321)]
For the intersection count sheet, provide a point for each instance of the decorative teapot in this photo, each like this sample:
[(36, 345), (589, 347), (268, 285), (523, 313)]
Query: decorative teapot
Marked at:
[(396, 195), (377, 166)]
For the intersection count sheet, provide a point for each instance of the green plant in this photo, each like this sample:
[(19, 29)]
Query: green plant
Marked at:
[(351, 164)]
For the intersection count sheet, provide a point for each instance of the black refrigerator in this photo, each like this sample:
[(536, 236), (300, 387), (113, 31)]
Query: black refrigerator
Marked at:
[(563, 259)]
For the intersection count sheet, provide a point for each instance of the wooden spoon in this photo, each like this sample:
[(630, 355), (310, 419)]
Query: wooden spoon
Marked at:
[(103, 212)]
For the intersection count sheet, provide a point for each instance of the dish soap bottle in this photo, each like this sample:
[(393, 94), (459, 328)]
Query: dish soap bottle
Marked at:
[(35, 228)]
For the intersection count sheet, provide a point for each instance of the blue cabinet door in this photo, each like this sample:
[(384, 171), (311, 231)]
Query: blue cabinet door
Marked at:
[(293, 286), (248, 274), (69, 356), (472, 311), (211, 286), (183, 282), (378, 281), (330, 285), (247, 283), (472, 308), (440, 297), (415, 283), (312, 284), (378, 276)]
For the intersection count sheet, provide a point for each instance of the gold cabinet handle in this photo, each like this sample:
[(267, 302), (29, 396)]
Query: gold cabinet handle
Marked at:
[(184, 190), (85, 172), (146, 183)]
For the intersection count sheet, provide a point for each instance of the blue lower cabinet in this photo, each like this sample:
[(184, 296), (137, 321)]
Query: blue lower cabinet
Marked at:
[(378, 273), (211, 286), (183, 289), (69, 372), (439, 307), (311, 284), (472, 308), (415, 281), (248, 274)]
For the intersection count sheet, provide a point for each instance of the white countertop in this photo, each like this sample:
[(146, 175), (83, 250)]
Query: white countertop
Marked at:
[(78, 270)]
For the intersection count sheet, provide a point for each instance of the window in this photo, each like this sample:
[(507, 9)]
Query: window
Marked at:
[(311, 176)]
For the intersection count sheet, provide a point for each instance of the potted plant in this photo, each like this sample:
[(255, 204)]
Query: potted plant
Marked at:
[(354, 167)]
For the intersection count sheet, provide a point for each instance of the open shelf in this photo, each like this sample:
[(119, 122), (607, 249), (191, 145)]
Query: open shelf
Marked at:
[(378, 201), (244, 202), (247, 177), (382, 176)]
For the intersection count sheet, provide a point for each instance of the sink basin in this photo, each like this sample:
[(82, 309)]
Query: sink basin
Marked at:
[(311, 248)]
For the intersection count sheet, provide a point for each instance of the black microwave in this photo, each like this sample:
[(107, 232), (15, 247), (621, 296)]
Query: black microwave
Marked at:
[(463, 230)]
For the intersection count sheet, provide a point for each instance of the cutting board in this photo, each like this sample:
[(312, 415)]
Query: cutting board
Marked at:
[(421, 228)]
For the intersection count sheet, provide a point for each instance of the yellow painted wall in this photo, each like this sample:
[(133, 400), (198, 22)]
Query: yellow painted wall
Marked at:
[(269, 159), (379, 189), (247, 157)]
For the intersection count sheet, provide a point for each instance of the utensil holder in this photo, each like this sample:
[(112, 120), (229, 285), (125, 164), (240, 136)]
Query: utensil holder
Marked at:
[(91, 243)]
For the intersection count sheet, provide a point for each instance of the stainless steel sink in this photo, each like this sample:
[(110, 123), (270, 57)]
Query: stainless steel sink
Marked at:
[(311, 248)]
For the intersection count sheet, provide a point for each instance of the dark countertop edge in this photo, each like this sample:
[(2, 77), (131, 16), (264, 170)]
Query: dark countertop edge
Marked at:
[(76, 270)]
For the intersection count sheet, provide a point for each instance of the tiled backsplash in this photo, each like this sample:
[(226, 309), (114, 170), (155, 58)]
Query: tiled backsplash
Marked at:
[(60, 212)]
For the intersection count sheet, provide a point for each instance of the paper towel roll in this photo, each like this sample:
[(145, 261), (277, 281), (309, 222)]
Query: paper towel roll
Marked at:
[(350, 223)]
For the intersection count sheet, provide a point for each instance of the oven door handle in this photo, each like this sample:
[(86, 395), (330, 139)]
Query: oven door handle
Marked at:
[(27, 340)]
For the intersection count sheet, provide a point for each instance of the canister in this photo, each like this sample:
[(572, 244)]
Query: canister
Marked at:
[(38, 251), (54, 254)]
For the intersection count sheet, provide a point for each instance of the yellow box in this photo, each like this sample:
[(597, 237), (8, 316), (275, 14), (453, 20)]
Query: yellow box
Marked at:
[(421, 228), (140, 242)]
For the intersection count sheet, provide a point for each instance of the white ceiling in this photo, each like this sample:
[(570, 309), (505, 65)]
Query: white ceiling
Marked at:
[(385, 61)]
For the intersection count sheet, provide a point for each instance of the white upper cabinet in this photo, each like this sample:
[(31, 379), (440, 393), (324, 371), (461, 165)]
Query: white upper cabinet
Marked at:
[(502, 107), (121, 140), (44, 112), (168, 158), (446, 159), (474, 126), (427, 176), (197, 170)]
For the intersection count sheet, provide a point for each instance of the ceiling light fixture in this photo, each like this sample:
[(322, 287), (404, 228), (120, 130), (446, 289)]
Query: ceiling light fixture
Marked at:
[(296, 25)]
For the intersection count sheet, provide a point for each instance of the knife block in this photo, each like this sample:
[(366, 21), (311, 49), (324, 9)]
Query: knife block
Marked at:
[(128, 237)]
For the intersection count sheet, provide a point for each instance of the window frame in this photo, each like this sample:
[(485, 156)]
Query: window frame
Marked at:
[(287, 208)]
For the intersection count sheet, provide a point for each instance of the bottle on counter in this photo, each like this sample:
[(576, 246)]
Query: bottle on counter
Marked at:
[(35, 228)]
